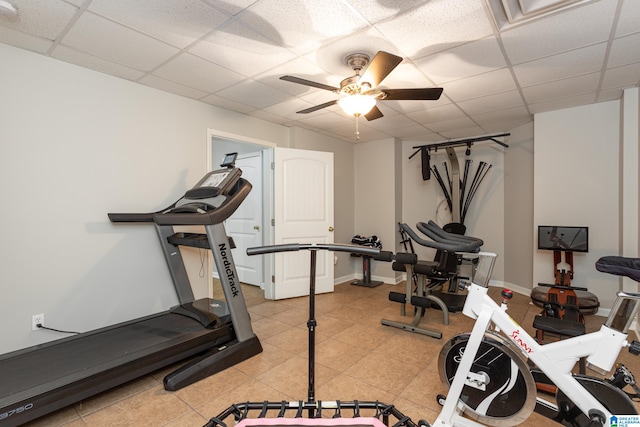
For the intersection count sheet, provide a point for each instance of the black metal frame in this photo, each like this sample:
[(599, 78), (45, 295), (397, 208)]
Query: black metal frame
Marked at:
[(314, 408)]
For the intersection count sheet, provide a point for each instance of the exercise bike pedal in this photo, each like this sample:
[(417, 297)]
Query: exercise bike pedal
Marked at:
[(634, 348), (597, 418)]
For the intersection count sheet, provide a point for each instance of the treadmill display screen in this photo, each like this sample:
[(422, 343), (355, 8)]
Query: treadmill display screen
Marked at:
[(215, 179)]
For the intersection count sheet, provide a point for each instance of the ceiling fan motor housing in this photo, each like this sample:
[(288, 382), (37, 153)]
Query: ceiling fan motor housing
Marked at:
[(350, 85)]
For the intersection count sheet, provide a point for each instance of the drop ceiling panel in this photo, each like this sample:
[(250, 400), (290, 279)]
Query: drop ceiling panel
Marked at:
[(463, 61), (256, 54), (43, 18), (231, 54), (625, 51), (489, 83), (416, 133), (169, 86), (116, 43), (391, 121), (302, 25), (231, 7), (24, 41), (573, 29), (621, 77), (495, 120), (227, 104), (198, 73), (177, 23), (378, 11), (557, 67), (587, 83), (407, 75), (298, 67), (253, 93), (629, 20), (436, 26), (489, 103), (450, 124), (73, 56), (457, 133), (435, 114), (561, 103)]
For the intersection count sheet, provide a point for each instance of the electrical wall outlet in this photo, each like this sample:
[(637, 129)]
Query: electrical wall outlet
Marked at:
[(37, 319)]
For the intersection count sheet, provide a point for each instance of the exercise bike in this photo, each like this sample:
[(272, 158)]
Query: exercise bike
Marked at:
[(490, 376)]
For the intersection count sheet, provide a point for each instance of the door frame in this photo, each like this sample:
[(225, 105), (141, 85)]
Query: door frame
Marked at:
[(267, 147)]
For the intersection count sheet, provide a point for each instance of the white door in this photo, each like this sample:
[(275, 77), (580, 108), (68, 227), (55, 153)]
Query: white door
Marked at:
[(303, 213), (245, 225)]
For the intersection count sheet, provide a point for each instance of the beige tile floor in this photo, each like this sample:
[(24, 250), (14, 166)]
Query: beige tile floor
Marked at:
[(357, 358)]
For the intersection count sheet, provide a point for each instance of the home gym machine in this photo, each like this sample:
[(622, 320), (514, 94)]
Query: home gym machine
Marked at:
[(425, 277), (454, 189), (41, 379), (459, 189)]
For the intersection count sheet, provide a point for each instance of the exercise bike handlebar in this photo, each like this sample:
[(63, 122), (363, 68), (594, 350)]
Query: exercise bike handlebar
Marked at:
[(293, 247)]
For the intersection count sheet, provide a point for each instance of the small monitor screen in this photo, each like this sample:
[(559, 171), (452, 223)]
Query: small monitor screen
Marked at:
[(229, 160), (558, 238)]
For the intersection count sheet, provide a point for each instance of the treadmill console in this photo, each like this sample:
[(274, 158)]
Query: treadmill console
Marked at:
[(211, 191), (219, 182), (211, 201)]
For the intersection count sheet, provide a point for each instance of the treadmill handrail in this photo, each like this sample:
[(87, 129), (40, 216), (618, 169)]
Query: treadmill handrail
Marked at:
[(292, 247), (131, 217)]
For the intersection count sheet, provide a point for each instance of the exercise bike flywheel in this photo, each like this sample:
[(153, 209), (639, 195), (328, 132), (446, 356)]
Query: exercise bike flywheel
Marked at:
[(500, 389)]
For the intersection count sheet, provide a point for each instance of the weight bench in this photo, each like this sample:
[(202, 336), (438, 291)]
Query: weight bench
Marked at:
[(447, 245), (428, 275), (421, 299)]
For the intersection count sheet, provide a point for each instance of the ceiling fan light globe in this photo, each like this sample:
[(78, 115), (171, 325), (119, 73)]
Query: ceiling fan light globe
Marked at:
[(357, 105)]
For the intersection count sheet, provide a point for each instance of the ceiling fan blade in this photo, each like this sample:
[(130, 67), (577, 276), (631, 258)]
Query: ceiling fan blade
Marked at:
[(305, 82), (375, 113), (380, 66), (317, 107), (427, 94)]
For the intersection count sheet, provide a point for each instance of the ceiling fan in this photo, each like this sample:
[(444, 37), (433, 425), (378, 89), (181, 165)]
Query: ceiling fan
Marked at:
[(360, 91)]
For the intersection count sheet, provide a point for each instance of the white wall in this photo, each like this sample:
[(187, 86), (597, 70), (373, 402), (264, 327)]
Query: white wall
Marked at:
[(576, 183), (376, 199), (518, 209), (630, 180), (75, 145)]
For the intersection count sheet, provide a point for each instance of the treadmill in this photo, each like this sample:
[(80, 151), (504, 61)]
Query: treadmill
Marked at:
[(213, 334)]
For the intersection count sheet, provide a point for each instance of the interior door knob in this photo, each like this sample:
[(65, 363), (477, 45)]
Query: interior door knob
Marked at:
[(256, 227), (330, 228)]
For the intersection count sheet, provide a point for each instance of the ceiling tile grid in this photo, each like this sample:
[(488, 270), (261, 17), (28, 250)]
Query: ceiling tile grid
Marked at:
[(231, 54)]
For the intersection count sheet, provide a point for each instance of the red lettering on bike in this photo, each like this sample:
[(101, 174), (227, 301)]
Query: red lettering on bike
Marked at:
[(523, 345)]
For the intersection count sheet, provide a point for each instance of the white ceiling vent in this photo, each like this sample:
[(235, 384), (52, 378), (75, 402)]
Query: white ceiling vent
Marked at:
[(508, 13)]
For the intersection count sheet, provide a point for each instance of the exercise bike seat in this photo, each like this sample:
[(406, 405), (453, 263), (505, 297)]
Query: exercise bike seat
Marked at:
[(620, 266)]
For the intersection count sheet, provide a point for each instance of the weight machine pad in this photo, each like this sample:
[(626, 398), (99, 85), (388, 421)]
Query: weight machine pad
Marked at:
[(587, 302)]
